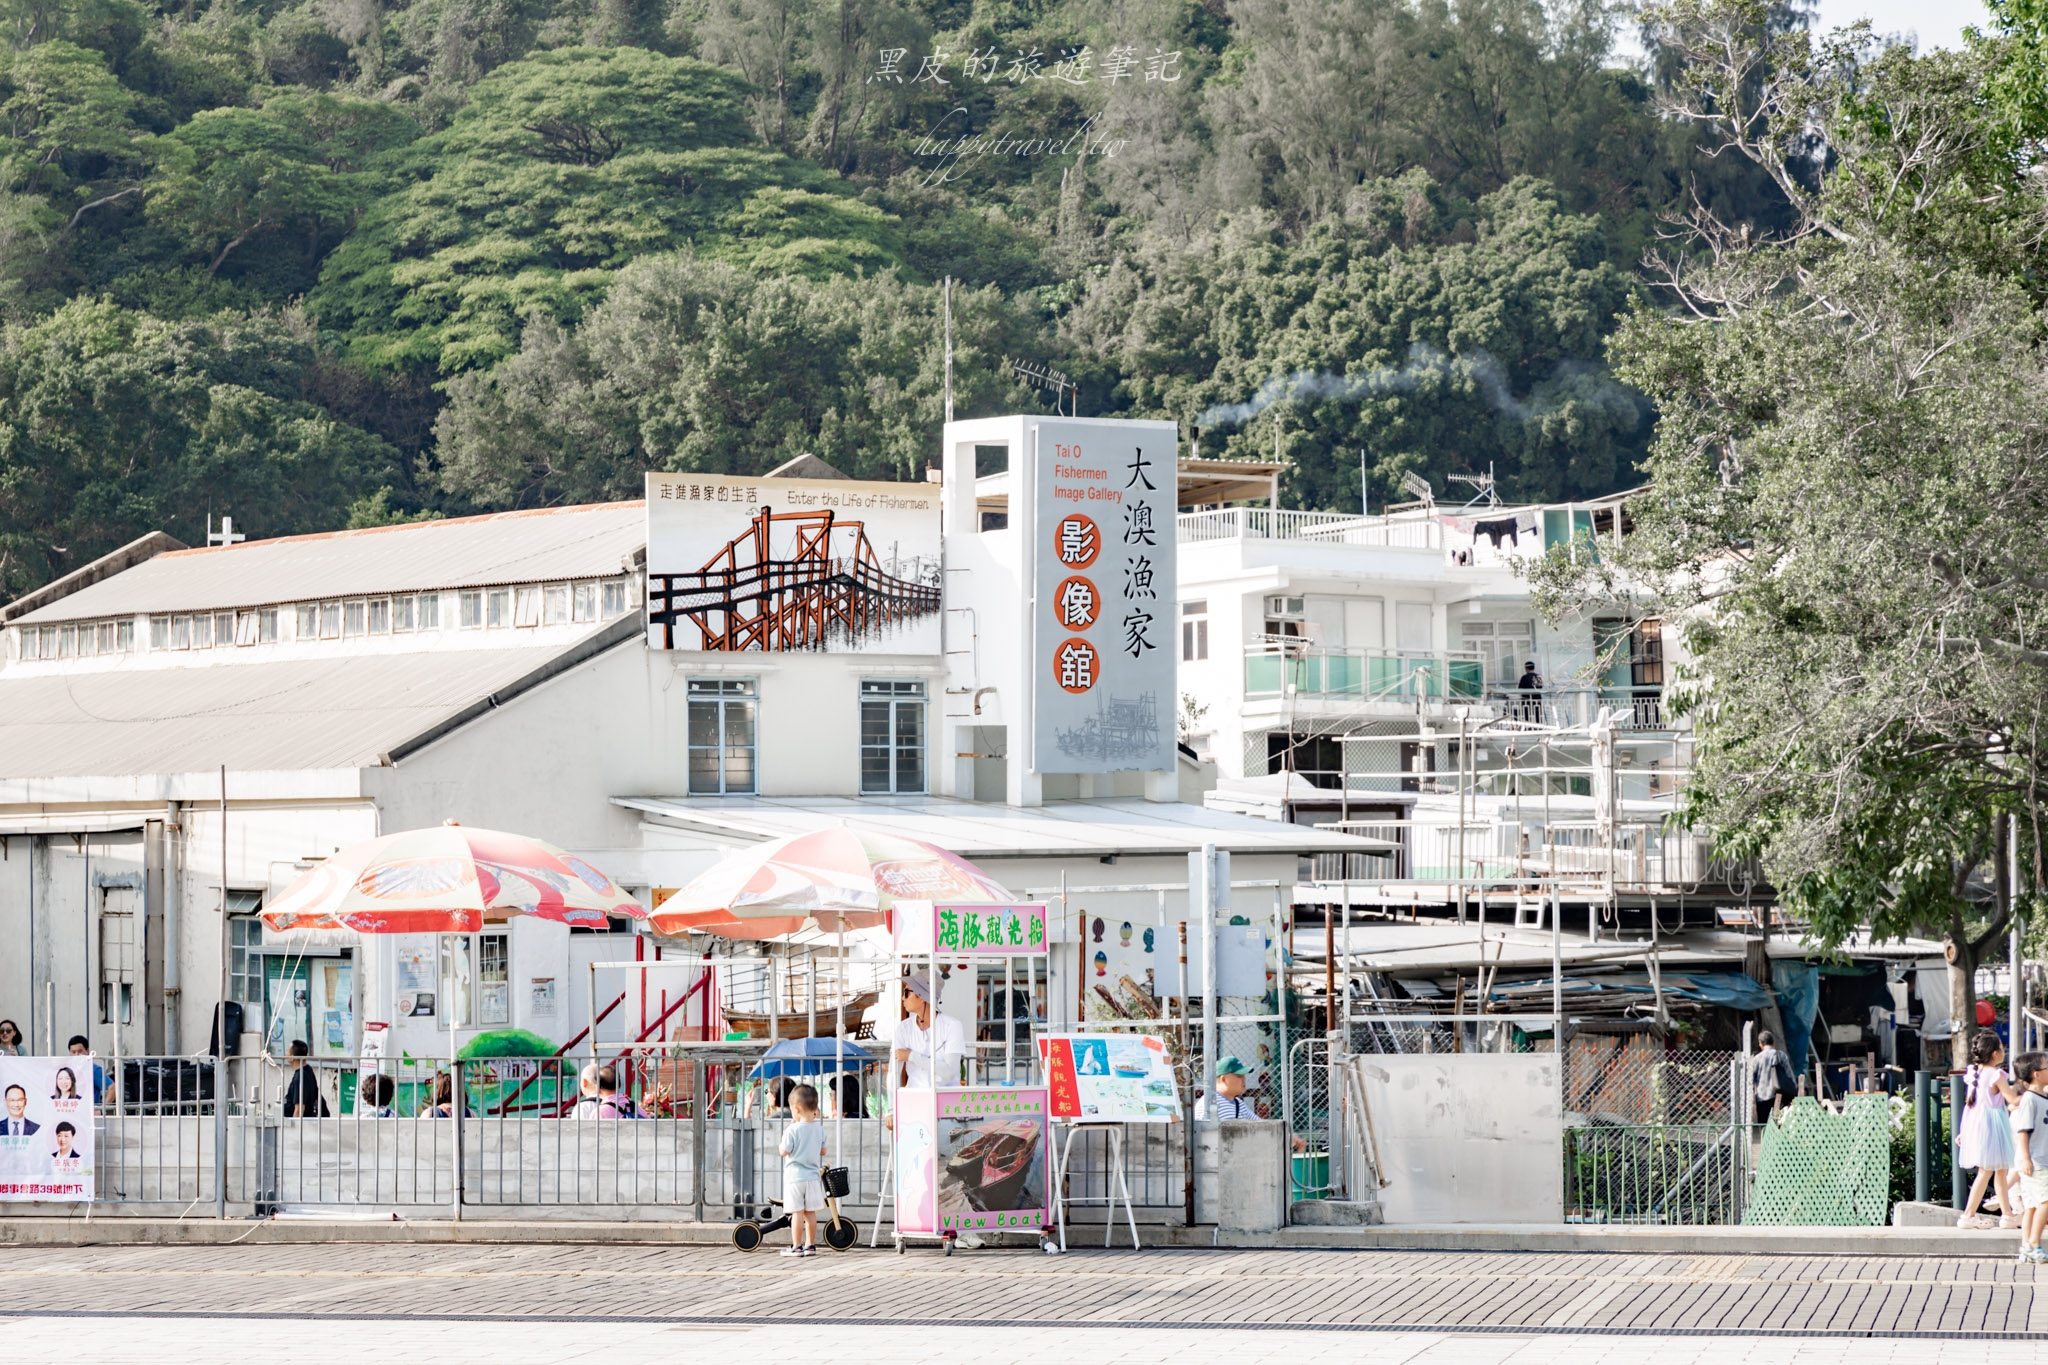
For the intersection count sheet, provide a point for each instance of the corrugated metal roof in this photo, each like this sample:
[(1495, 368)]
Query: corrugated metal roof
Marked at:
[(976, 829), (294, 714), (468, 552)]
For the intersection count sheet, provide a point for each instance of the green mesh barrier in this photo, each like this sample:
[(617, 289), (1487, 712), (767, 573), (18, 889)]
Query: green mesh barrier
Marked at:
[(1822, 1169)]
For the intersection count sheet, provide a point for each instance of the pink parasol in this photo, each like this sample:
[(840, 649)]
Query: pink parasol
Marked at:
[(836, 879), (448, 879)]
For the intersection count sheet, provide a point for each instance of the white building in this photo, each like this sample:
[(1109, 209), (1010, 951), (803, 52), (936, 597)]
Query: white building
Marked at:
[(1375, 672), (495, 670)]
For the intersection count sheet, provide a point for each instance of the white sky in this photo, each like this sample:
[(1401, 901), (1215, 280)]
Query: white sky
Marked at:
[(1937, 23), (1934, 23)]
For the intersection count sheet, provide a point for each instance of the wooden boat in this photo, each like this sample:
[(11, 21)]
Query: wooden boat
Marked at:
[(796, 1025)]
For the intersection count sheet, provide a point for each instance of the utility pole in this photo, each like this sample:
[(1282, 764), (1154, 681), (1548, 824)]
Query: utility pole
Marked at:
[(948, 295)]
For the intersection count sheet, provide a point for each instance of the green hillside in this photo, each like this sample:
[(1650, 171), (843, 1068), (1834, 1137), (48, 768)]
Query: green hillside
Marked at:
[(342, 261)]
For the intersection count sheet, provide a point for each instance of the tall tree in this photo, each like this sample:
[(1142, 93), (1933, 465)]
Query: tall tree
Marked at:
[(1849, 475)]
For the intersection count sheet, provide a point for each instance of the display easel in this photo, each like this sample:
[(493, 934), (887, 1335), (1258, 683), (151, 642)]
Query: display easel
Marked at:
[(1105, 1082), (1117, 1171), (927, 936)]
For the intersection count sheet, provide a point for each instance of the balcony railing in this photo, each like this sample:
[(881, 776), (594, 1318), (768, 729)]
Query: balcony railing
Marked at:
[(1632, 708), (1329, 528), (1366, 674), (1275, 669)]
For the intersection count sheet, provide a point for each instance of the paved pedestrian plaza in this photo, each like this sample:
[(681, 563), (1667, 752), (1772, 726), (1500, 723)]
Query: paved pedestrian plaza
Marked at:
[(570, 1303)]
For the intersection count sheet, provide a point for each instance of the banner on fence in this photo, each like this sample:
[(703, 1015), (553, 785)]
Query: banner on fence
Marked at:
[(46, 1128), (1109, 1078)]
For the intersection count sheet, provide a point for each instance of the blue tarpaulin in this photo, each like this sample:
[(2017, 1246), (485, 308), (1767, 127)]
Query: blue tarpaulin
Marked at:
[(1732, 989), (1798, 986), (810, 1057)]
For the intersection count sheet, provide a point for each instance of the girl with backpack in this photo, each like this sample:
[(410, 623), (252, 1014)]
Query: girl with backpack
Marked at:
[(1985, 1140)]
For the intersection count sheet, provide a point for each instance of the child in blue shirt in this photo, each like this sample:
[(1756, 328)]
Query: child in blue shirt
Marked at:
[(803, 1164)]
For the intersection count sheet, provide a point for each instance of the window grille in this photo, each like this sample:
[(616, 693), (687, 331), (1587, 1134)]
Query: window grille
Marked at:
[(721, 739), (892, 732)]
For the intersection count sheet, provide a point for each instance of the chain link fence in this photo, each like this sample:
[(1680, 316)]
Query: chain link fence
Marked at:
[(1633, 1079), (1652, 1134)]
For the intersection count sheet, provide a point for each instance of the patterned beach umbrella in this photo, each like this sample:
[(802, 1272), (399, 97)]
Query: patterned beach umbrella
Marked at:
[(449, 879), (832, 879)]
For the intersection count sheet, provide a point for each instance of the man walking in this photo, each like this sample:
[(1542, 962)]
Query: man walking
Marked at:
[(1770, 1077)]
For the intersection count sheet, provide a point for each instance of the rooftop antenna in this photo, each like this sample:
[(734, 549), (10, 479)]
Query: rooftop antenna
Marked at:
[(1483, 483), (949, 348), (1055, 382), (226, 535), (1414, 484)]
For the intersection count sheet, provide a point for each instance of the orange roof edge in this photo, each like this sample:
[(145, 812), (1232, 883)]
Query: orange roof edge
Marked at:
[(404, 526)]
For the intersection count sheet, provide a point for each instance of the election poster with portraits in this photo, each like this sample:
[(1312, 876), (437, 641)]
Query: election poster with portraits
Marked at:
[(1104, 631), (46, 1129)]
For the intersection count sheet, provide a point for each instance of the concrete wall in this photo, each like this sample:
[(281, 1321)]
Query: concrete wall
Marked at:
[(618, 725), (1466, 1138)]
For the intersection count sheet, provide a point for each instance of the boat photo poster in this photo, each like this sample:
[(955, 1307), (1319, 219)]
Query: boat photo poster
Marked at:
[(1109, 1078)]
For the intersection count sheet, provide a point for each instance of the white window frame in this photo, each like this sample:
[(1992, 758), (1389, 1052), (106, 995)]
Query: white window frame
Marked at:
[(1194, 631), (720, 694), (901, 698)]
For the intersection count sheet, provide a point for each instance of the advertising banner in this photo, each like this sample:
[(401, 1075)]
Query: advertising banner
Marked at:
[(1109, 1078), (843, 566), (1104, 634), (46, 1129), (972, 1159), (968, 930)]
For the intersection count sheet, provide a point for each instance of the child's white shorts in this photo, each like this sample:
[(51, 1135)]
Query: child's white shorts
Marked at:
[(801, 1195), (2034, 1188)]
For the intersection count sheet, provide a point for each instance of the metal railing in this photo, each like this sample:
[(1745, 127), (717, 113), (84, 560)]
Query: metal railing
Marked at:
[(1567, 708), (1655, 1173), (685, 1136), (1327, 528), (1364, 674)]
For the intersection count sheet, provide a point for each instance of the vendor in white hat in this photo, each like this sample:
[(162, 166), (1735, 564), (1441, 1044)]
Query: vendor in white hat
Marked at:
[(929, 1044)]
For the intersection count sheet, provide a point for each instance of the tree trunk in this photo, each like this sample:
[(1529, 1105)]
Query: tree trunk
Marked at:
[(1962, 999)]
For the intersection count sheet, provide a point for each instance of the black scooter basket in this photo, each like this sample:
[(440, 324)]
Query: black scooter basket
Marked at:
[(836, 1183)]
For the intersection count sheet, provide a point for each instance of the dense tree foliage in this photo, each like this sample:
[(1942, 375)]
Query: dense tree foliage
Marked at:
[(1850, 475), (114, 423), (1401, 226)]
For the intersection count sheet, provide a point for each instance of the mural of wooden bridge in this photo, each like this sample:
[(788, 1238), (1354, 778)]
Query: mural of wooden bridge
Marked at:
[(829, 584)]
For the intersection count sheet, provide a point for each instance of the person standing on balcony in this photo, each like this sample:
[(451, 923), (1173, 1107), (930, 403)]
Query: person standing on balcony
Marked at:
[(1531, 689)]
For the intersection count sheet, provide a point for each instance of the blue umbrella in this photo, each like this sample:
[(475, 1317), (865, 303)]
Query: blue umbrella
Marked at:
[(810, 1057)]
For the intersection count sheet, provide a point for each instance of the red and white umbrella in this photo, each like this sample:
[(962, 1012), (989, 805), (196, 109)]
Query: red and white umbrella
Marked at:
[(834, 879), (448, 879)]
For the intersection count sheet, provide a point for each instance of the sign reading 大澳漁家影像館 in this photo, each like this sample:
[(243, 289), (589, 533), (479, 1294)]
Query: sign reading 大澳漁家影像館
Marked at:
[(1104, 582)]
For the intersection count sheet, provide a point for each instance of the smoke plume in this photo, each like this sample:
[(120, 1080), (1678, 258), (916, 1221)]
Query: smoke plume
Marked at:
[(1426, 364)]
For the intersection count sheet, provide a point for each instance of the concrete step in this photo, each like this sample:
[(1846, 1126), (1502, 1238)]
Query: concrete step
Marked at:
[(1714, 1241)]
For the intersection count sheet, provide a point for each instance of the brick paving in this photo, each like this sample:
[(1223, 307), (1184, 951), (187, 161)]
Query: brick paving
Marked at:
[(1354, 1294)]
